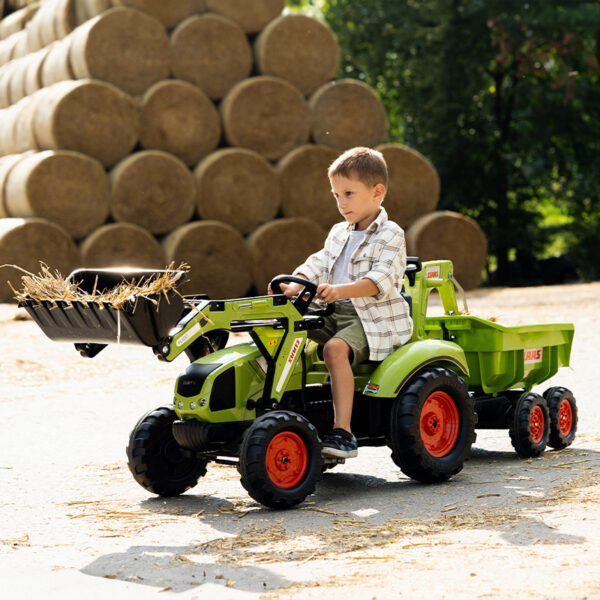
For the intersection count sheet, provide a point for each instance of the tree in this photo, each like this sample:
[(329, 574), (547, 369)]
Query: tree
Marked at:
[(501, 95)]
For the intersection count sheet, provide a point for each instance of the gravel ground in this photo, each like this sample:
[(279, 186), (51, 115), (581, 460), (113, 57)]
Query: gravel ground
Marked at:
[(72, 519)]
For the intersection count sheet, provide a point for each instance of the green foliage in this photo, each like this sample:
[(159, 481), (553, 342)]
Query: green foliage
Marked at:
[(503, 96)]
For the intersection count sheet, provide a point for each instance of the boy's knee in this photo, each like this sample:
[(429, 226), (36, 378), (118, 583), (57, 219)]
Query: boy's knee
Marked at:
[(336, 350)]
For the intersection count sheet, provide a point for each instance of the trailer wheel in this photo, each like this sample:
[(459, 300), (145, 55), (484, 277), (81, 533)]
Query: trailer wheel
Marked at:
[(280, 459), (562, 408), (432, 426), (156, 460), (529, 425)]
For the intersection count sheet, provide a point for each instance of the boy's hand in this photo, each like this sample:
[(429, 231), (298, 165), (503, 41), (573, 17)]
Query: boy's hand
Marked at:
[(328, 293), (289, 289)]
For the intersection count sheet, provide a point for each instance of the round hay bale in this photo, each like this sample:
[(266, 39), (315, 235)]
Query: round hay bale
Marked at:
[(152, 189), (65, 17), (17, 20), (282, 245), (347, 113), (305, 187), (217, 256), (16, 81), (168, 12), (23, 131), (210, 52), (250, 16), (29, 242), (6, 165), (22, 47), (122, 46), (5, 77), (41, 30), (266, 114), (57, 65), (449, 235), (33, 71), (67, 188), (7, 47), (238, 187), (300, 49), (179, 118), (414, 184), (88, 9), (8, 117), (91, 117), (122, 245)]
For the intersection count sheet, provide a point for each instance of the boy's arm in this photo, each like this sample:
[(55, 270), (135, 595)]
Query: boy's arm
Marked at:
[(331, 293), (389, 267)]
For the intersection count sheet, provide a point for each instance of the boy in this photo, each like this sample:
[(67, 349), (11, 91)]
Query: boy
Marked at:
[(360, 270)]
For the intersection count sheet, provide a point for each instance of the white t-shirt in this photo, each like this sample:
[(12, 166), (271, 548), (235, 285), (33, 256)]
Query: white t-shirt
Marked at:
[(339, 274)]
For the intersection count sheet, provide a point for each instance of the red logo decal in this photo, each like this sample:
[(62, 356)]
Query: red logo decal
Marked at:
[(294, 350), (533, 355)]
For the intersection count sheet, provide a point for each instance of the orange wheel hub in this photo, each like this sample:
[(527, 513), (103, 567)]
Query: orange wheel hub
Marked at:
[(439, 424), (286, 459), (536, 424), (565, 417)]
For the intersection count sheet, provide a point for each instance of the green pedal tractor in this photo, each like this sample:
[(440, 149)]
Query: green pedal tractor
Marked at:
[(263, 404)]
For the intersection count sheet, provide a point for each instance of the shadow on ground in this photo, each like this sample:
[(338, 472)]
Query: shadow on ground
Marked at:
[(496, 492)]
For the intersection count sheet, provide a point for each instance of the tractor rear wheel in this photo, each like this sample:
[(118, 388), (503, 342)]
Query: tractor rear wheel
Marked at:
[(529, 425), (432, 426), (156, 461), (563, 416), (280, 459)]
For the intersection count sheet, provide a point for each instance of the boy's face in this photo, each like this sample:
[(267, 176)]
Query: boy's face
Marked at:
[(358, 203)]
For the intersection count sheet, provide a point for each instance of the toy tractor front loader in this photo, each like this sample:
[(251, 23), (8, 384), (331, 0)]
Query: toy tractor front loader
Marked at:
[(263, 404)]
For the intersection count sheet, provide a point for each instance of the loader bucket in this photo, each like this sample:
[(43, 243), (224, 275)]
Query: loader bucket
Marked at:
[(143, 319)]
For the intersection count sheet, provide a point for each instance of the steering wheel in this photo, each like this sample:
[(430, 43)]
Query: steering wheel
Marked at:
[(305, 297)]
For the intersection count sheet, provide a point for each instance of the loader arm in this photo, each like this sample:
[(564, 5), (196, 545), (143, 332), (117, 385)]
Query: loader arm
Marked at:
[(273, 323)]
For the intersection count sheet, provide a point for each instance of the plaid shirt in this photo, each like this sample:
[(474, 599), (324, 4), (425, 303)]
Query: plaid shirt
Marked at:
[(380, 257)]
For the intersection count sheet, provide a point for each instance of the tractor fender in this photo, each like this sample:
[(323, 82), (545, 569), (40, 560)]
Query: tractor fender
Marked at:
[(394, 372)]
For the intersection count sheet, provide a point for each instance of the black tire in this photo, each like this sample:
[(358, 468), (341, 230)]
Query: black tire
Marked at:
[(562, 408), (274, 441), (415, 445), (529, 425), (155, 459)]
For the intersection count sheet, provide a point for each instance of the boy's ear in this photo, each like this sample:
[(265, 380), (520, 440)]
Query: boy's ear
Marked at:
[(379, 192)]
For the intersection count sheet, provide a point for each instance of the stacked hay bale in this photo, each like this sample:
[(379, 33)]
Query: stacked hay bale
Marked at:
[(184, 130)]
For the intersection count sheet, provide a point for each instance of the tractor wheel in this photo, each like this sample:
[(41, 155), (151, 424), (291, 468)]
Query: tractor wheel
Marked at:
[(563, 416), (280, 459), (529, 425), (432, 426), (155, 459)]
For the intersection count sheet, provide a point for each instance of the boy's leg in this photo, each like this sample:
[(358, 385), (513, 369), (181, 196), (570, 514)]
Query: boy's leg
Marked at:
[(337, 353), (340, 442)]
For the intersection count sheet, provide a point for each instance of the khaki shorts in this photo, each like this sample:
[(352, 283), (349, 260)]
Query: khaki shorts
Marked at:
[(345, 324)]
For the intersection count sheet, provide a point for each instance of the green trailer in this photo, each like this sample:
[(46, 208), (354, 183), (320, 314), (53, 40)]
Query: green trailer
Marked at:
[(263, 405)]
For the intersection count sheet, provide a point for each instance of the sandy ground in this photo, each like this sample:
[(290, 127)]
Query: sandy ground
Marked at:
[(73, 521)]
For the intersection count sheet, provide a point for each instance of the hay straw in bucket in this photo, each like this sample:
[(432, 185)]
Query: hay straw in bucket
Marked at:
[(53, 287)]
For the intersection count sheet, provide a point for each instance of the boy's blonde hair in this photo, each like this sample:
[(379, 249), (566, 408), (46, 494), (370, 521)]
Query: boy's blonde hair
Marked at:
[(365, 164)]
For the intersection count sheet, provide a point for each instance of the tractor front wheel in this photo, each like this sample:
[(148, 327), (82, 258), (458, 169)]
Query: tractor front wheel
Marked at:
[(529, 425), (432, 426), (280, 459), (156, 461), (563, 416)]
